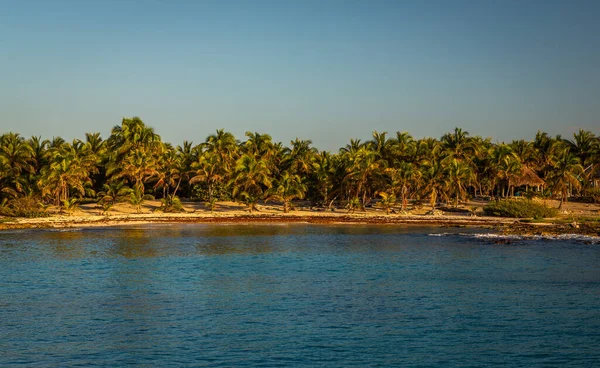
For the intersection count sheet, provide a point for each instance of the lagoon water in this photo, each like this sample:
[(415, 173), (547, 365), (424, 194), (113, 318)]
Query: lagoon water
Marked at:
[(295, 295)]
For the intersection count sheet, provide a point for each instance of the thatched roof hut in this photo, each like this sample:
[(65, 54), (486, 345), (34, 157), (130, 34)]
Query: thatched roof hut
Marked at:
[(526, 177)]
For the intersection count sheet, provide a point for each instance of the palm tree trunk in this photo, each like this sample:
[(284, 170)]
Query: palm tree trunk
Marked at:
[(331, 203), (210, 191), (176, 188)]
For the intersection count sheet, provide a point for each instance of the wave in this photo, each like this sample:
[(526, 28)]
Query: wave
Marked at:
[(589, 239), (64, 230)]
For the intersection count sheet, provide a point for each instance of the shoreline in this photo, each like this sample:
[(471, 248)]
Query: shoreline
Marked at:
[(66, 221), (507, 226)]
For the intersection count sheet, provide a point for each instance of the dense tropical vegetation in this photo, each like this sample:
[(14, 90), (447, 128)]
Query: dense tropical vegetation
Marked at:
[(133, 164)]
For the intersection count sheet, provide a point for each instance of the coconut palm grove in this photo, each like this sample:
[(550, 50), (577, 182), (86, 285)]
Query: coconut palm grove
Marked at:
[(134, 164)]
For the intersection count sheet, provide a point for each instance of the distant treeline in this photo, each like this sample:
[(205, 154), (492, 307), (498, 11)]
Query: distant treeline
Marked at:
[(133, 163)]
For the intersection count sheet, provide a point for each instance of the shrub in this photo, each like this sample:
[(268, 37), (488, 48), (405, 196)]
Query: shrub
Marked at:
[(69, 205), (171, 205), (594, 195), (211, 205), (519, 208), (353, 204), (23, 207)]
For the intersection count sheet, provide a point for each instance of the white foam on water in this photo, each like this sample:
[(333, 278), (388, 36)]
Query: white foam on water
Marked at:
[(65, 230), (495, 236)]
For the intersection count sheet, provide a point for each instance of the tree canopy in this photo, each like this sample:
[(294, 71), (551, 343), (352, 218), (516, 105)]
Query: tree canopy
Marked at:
[(134, 161)]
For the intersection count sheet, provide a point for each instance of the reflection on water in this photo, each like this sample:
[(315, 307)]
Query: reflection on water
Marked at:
[(300, 295)]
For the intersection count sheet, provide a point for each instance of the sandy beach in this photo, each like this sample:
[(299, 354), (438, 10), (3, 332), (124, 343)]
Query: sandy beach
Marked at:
[(574, 218)]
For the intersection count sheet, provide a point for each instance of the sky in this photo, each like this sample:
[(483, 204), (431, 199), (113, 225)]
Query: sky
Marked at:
[(324, 70)]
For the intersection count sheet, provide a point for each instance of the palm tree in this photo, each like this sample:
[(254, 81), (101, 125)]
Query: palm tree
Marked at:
[(188, 155), (403, 176), (16, 157), (388, 200), (137, 166), (67, 172), (211, 204), (224, 145), (383, 146), (525, 151), (251, 177), (56, 142), (427, 149), (507, 171), (565, 173), (300, 156), (132, 134), (323, 173), (503, 164), (258, 144), (114, 192), (353, 146), (208, 170), (170, 173), (436, 181), (287, 188), (459, 174), (586, 146), (95, 143), (546, 148), (364, 165), (39, 153), (458, 145), (404, 147), (481, 166), (137, 198), (134, 149)]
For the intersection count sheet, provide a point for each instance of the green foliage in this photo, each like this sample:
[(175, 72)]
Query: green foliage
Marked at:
[(387, 201), (106, 206), (592, 195), (69, 205), (436, 171), (211, 204), (87, 200), (353, 204), (250, 200), (519, 208), (220, 190), (171, 205), (137, 198), (289, 187), (22, 207), (114, 191)]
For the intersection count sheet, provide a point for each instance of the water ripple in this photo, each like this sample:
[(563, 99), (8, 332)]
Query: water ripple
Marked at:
[(296, 295)]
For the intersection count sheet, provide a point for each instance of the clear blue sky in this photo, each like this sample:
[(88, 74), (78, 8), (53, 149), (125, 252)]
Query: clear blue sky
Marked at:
[(321, 70)]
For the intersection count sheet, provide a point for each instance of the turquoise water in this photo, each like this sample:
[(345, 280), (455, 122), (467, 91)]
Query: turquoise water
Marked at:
[(295, 295)]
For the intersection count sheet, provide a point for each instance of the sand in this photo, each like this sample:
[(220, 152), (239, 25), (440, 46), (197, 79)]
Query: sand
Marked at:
[(91, 215)]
